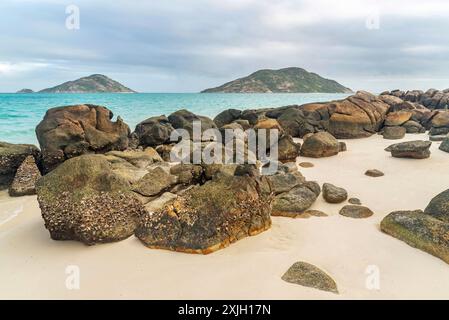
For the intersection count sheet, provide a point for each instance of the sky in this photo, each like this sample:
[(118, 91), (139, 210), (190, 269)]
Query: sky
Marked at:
[(190, 45)]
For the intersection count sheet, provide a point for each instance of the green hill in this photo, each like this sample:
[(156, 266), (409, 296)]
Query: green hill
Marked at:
[(92, 84), (288, 80)]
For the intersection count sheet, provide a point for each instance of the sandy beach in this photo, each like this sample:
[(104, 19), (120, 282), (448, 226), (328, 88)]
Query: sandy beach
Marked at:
[(32, 266)]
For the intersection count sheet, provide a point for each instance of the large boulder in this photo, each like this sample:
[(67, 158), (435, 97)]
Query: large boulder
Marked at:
[(288, 149), (184, 119), (439, 207), (11, 157), (154, 131), (419, 230), (321, 144), (209, 217), (412, 149), (358, 116), (24, 183), (227, 117), (398, 118), (394, 133), (413, 127), (67, 132), (83, 199)]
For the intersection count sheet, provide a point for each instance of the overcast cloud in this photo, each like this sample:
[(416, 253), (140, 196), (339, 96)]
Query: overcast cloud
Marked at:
[(187, 46)]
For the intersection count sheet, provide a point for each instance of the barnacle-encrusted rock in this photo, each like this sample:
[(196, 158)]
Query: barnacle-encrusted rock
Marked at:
[(83, 199), (209, 217), (24, 183)]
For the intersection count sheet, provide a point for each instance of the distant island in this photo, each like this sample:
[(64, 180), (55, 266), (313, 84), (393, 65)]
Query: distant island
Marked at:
[(96, 83), (25, 91), (287, 80)]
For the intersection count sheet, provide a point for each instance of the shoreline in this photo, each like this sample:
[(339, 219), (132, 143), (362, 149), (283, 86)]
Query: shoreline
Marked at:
[(251, 268)]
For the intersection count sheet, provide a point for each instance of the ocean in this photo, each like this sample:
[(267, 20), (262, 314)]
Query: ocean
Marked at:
[(20, 113)]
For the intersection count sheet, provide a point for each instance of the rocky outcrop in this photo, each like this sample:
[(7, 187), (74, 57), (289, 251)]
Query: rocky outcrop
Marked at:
[(71, 131), (432, 98), (308, 275), (11, 157), (412, 149), (333, 194), (154, 131), (419, 230), (209, 217), (356, 212), (321, 144), (24, 183), (85, 200)]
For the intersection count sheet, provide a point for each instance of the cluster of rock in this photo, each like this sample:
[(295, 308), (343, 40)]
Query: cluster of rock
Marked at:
[(427, 230)]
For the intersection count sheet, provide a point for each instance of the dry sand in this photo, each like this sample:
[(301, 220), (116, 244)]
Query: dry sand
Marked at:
[(33, 266)]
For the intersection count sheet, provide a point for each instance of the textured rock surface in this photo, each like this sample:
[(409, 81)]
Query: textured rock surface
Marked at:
[(154, 131), (355, 201), (67, 132), (184, 119), (357, 212), (296, 201), (439, 207), (288, 149), (412, 149), (420, 231), (333, 194), (444, 146), (11, 157), (281, 183), (321, 144), (25, 179), (84, 200), (209, 217), (307, 275)]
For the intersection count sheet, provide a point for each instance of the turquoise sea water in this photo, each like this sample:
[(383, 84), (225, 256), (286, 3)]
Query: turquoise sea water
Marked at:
[(20, 113)]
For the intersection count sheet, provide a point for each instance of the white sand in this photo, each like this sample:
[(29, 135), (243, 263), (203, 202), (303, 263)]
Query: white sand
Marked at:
[(33, 266)]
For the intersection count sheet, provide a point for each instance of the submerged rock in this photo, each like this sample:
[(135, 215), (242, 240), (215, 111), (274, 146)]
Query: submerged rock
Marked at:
[(84, 200), (333, 194), (419, 230), (210, 217), (412, 149), (356, 212), (307, 275), (24, 183)]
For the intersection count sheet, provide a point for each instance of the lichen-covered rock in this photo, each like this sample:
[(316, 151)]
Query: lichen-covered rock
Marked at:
[(84, 200), (411, 149), (154, 131), (11, 157), (295, 201), (419, 230), (321, 144), (439, 207), (281, 183), (356, 212), (307, 275), (24, 183), (67, 132), (394, 133), (333, 194), (209, 217), (444, 146)]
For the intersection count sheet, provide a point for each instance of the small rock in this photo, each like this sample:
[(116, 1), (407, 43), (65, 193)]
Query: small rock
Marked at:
[(355, 201), (333, 194), (321, 144), (444, 146), (343, 146), (316, 213), (308, 275), (356, 212), (294, 202), (438, 138), (374, 173), (306, 165)]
